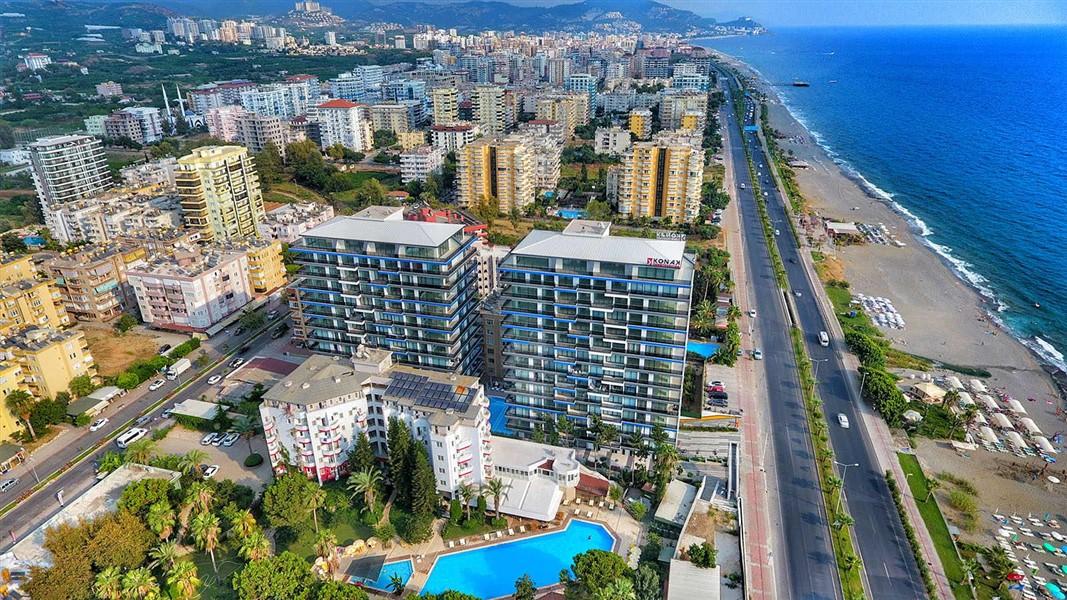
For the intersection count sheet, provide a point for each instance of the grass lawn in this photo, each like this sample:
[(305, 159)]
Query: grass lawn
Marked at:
[(345, 524), (217, 587), (452, 532), (294, 191), (935, 524)]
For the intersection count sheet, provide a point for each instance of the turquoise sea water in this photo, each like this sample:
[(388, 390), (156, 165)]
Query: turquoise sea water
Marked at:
[(491, 571), (965, 130)]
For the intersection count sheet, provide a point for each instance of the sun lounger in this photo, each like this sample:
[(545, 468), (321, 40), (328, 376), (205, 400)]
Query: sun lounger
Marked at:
[(451, 544), (601, 505), (577, 500), (522, 529), (611, 506), (511, 532), (589, 514), (462, 541), (485, 537)]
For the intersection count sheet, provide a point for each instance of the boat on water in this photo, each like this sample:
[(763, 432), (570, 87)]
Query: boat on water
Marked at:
[(799, 83)]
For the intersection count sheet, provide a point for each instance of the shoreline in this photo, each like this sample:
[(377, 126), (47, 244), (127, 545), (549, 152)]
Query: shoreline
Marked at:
[(922, 278)]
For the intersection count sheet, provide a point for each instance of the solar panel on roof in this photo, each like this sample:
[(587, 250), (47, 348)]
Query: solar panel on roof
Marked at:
[(430, 394)]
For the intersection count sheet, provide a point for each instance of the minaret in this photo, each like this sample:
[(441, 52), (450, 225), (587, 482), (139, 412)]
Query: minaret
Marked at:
[(181, 101), (166, 107)]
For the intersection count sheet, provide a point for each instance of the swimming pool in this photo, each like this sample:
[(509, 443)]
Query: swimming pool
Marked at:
[(571, 213), (498, 416), (705, 349), (490, 572), (403, 569)]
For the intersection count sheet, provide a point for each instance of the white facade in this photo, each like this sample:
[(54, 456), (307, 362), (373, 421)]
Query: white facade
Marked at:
[(99, 220), (419, 163), (35, 61), (156, 173), (191, 291), (343, 122), (67, 168), (94, 125), (222, 121), (289, 221), (284, 100), (453, 137), (612, 140)]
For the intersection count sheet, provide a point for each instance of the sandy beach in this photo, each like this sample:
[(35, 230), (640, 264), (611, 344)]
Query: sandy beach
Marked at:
[(946, 319)]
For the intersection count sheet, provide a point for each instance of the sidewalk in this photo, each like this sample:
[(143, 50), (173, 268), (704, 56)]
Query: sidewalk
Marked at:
[(760, 580)]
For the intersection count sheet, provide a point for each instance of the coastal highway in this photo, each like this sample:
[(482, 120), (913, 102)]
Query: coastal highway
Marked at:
[(889, 565), (804, 563), (35, 510)]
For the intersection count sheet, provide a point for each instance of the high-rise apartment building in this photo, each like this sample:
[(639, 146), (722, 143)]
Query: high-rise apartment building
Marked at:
[(92, 283), (445, 105), (595, 325), (220, 193), (375, 279), (661, 178), (67, 168), (641, 123), (583, 83), (343, 122), (498, 168), (420, 163), (389, 117), (453, 137), (673, 107), (141, 124), (256, 131), (222, 121), (489, 109)]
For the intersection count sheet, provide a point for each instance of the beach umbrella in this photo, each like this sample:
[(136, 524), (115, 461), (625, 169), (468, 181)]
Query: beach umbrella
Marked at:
[(988, 435), (1029, 425), (1016, 439), (1043, 443), (1016, 407), (1055, 590), (1001, 421), (1048, 547)]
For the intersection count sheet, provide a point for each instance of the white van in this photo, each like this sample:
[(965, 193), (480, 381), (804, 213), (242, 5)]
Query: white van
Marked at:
[(130, 437), (824, 340)]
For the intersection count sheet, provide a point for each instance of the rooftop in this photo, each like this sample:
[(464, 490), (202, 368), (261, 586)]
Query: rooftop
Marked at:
[(592, 240), (676, 503), (370, 227), (522, 454), (339, 103), (321, 378)]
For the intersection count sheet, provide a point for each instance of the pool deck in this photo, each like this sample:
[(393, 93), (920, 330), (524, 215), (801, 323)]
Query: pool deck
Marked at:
[(423, 556)]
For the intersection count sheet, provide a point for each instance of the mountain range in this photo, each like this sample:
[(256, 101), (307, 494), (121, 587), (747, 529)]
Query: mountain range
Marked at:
[(466, 15)]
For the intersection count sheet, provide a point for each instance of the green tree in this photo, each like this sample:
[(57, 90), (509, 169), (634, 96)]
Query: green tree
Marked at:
[(205, 529), (120, 540), (242, 523), (524, 588), (21, 404), (337, 590), (184, 579), (365, 483), (164, 556), (108, 584), (598, 210), (620, 589), (81, 386), (254, 546), (139, 496), (247, 426), (285, 576), (268, 163), (370, 193), (487, 208), (286, 501), (361, 457), (140, 452), (139, 584), (399, 444), (423, 484), (646, 583), (396, 584), (252, 319), (316, 498), (596, 569), (125, 323), (496, 488), (325, 546), (110, 461), (467, 493), (383, 138), (702, 555)]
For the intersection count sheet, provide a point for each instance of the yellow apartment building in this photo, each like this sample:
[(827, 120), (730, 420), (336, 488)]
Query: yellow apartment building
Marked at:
[(49, 359), (220, 192)]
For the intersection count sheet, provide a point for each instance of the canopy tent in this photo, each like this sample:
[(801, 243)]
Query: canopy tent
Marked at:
[(1016, 440), (980, 419), (1001, 421), (988, 435), (1029, 425), (978, 387), (954, 382), (912, 416), (966, 399), (1016, 407), (1045, 445), (928, 392), (988, 402)]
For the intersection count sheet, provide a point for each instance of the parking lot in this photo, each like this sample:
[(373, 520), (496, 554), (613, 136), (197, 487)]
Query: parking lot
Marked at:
[(230, 460), (727, 376)]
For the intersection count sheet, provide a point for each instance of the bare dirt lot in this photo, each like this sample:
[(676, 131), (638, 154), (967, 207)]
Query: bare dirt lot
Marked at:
[(114, 352)]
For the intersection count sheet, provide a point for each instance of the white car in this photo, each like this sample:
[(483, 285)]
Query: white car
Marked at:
[(236, 363), (208, 439), (757, 354), (752, 313), (155, 385), (842, 420), (214, 379), (230, 439), (272, 314), (209, 470), (97, 424), (7, 485)]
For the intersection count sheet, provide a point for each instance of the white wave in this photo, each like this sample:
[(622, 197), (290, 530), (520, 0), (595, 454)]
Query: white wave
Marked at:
[(1048, 352)]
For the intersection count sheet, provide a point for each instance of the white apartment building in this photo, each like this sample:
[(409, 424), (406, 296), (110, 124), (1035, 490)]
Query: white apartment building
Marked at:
[(315, 415), (67, 168), (94, 125), (222, 121), (191, 290), (343, 122), (454, 136), (489, 257), (285, 100), (141, 124), (390, 117), (108, 89), (611, 140), (289, 221), (99, 220), (419, 163), (156, 174)]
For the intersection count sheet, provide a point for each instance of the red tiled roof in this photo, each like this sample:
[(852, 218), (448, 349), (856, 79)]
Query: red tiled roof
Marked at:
[(398, 194), (451, 128), (541, 122), (593, 485), (339, 103)]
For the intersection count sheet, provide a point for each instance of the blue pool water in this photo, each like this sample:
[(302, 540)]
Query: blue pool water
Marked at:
[(571, 213), (498, 418), (490, 572), (402, 568), (705, 349)]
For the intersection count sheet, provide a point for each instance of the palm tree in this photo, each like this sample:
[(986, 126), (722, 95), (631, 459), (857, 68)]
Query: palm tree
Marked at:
[(324, 548), (316, 498), (21, 404), (202, 496), (164, 555), (844, 520), (184, 579), (243, 524), (833, 482), (255, 546), (110, 461), (950, 399), (666, 461), (160, 519), (365, 483), (247, 427), (851, 562), (617, 589), (396, 584), (138, 584), (108, 584), (205, 529), (185, 511), (497, 488), (467, 493), (931, 485), (140, 452), (969, 567), (190, 462)]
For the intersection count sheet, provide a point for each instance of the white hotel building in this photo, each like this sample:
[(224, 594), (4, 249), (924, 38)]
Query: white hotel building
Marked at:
[(313, 417)]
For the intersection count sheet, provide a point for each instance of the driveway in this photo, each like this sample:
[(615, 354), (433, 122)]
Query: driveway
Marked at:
[(230, 460)]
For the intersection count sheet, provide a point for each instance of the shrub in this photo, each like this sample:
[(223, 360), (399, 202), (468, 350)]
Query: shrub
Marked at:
[(455, 512), (82, 420), (413, 529), (703, 555), (385, 532), (254, 460), (638, 510), (962, 501), (184, 348)]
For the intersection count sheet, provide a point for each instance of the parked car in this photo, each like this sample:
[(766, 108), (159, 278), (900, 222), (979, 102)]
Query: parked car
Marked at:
[(271, 315), (165, 348), (8, 484), (239, 331), (244, 349), (155, 385), (842, 420), (214, 379), (752, 313), (230, 439), (757, 354), (218, 439), (97, 424), (166, 413), (719, 396), (208, 439), (715, 388), (209, 471)]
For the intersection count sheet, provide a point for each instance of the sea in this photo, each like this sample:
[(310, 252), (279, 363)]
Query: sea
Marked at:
[(963, 130)]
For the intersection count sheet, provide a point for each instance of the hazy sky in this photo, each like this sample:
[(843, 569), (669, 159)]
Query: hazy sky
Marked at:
[(882, 12)]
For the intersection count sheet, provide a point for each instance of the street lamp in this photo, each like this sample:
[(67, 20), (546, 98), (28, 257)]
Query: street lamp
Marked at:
[(841, 492), (815, 374)]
